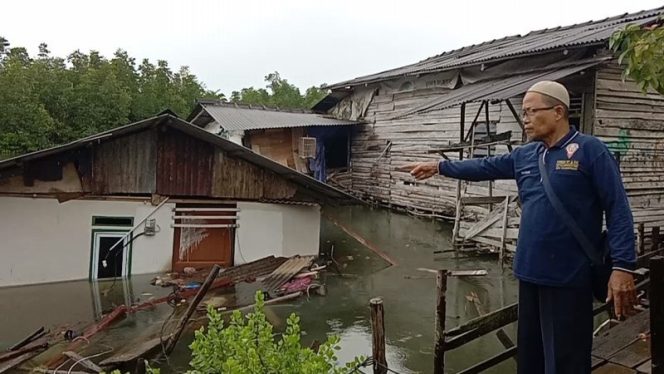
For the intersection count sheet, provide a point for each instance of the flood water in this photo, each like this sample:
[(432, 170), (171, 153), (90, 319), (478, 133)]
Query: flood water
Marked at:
[(408, 295)]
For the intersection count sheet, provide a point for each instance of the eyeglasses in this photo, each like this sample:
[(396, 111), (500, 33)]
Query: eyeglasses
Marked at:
[(532, 111)]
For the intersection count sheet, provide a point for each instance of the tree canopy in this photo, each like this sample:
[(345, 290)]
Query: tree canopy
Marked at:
[(47, 100), (279, 93)]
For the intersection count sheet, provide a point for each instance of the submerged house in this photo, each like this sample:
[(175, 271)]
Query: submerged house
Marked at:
[(467, 103), (308, 142), (151, 196)]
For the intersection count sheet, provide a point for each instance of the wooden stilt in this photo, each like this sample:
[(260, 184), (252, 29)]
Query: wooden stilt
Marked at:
[(657, 314), (378, 336), (439, 349)]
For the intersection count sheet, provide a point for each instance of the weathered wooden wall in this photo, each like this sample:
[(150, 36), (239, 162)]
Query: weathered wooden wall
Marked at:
[(275, 144), (125, 165), (163, 161), (632, 124), (410, 138)]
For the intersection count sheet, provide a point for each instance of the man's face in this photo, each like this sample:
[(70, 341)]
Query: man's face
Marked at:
[(539, 118)]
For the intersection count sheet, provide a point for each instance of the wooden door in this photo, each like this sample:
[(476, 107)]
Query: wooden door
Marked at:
[(203, 235)]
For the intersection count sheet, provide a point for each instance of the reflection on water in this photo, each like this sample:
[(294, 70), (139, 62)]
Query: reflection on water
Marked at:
[(408, 294)]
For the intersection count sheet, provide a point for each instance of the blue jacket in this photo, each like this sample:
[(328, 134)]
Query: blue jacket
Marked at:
[(586, 178)]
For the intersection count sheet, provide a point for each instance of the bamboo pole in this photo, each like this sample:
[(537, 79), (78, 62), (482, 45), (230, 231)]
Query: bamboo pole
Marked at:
[(378, 336), (439, 349)]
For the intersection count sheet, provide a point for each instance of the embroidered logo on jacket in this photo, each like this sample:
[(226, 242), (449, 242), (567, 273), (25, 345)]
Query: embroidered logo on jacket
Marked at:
[(571, 148), (567, 165)]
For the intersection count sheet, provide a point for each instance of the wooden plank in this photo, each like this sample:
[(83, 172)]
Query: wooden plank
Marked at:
[(645, 368), (484, 224), (633, 355), (469, 200), (610, 368), (35, 335), (491, 362), (14, 362), (500, 317), (619, 337), (492, 242), (86, 363), (132, 353)]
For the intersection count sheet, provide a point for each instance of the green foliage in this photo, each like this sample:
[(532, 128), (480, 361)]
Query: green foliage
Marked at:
[(279, 93), (247, 345), (641, 49), (47, 100)]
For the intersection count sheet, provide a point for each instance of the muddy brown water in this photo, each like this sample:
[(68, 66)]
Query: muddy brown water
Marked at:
[(408, 295)]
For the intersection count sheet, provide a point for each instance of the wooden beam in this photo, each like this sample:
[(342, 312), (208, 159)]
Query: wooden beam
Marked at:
[(641, 238), (441, 305), (472, 124), (654, 239), (493, 361), (476, 200), (192, 308), (657, 314), (500, 317), (501, 256)]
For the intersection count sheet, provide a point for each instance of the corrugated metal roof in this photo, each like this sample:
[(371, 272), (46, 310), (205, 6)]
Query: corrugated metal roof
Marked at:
[(497, 89), (243, 117), (592, 32), (308, 184)]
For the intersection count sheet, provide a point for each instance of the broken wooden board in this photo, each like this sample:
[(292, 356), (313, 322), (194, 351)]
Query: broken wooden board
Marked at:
[(35, 335), (14, 362), (133, 353), (484, 224), (36, 345)]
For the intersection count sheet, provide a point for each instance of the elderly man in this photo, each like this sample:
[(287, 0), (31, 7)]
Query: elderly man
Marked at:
[(553, 266)]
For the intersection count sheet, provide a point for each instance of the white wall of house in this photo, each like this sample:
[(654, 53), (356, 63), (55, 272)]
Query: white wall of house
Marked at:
[(276, 229), (47, 241)]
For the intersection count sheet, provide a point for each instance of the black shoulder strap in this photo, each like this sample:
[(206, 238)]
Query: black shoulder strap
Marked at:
[(565, 216)]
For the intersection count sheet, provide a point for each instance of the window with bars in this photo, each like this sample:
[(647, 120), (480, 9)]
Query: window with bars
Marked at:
[(307, 147)]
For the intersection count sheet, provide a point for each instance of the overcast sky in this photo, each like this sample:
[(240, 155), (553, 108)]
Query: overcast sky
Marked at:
[(234, 44)]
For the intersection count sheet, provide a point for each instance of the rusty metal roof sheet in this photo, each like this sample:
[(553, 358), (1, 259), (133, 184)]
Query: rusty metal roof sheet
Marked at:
[(246, 117), (589, 33), (317, 189), (285, 272)]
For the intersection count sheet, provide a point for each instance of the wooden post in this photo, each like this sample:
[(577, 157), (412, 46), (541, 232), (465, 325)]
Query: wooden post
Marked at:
[(192, 308), (488, 147), (641, 238), (457, 213), (657, 314), (439, 349), (654, 239), (378, 336), (503, 238)]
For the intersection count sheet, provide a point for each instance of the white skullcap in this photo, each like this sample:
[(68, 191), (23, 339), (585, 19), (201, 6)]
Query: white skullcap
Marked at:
[(552, 89)]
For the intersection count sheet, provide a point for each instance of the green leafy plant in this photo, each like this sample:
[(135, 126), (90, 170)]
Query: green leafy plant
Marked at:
[(248, 345), (641, 50)]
